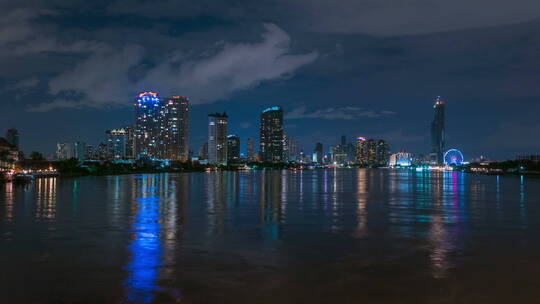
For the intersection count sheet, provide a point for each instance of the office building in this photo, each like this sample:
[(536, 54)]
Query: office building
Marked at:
[(401, 159), (271, 139), (438, 133), (161, 127), (203, 151), (371, 152), (217, 138), (68, 150), (318, 153), (175, 136), (117, 143), (383, 153), (233, 148), (250, 149), (361, 151)]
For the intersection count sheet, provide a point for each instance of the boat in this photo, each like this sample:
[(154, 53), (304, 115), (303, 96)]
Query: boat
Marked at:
[(22, 177)]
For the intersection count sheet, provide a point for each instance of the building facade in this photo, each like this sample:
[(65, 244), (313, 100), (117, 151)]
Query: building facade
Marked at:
[(438, 133), (68, 150), (401, 159), (117, 143), (217, 138), (383, 152), (318, 153), (233, 148), (361, 151), (271, 139), (161, 127), (250, 149)]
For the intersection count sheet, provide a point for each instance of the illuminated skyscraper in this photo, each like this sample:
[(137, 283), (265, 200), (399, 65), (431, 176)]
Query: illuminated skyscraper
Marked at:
[(438, 133), (383, 152), (161, 127), (293, 149), (361, 151), (147, 125), (271, 135), (233, 148), (175, 128), (371, 152), (217, 138), (117, 143)]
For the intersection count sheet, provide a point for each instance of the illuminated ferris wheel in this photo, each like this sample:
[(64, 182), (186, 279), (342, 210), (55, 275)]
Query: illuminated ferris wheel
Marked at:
[(453, 157)]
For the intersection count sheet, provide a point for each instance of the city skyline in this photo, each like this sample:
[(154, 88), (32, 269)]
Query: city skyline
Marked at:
[(69, 71)]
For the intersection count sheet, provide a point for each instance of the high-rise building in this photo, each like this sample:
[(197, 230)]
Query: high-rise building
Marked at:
[(90, 152), (361, 151), (130, 152), (293, 149), (250, 150), (12, 137), (161, 127), (318, 153), (117, 143), (438, 133), (271, 139), (175, 136), (148, 125), (233, 148), (67, 150), (383, 152), (101, 151), (203, 151), (217, 138), (343, 140), (371, 152)]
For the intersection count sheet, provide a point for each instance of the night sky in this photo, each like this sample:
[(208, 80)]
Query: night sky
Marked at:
[(70, 69)]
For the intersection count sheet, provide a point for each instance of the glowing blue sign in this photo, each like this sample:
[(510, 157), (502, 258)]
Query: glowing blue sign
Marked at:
[(274, 108)]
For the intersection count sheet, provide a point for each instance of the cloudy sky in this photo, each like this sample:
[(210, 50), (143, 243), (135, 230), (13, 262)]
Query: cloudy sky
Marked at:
[(70, 68)]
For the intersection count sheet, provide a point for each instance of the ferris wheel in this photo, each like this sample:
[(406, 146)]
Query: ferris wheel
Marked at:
[(453, 157)]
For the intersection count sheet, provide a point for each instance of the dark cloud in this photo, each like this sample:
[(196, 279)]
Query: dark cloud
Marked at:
[(346, 113)]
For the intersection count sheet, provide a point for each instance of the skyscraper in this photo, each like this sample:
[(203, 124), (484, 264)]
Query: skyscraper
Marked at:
[(233, 148), (147, 125), (117, 143), (130, 152), (12, 137), (203, 151), (293, 149), (161, 127), (175, 128), (361, 151), (438, 133), (371, 152), (271, 139), (318, 153), (383, 152), (217, 138), (67, 150), (250, 150)]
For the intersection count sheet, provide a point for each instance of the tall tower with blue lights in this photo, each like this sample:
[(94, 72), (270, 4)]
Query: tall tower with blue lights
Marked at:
[(161, 127), (271, 137), (438, 133)]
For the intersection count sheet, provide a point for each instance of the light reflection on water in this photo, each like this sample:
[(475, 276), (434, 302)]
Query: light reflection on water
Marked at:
[(173, 227)]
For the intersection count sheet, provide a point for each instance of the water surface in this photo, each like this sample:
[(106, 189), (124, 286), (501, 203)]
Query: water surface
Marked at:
[(321, 236)]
